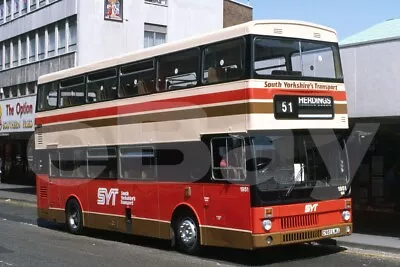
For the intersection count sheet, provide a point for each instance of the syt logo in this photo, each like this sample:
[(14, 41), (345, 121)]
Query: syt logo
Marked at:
[(104, 196), (311, 208)]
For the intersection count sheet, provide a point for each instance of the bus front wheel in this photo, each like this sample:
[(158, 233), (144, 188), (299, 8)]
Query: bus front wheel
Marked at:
[(73, 215), (187, 234)]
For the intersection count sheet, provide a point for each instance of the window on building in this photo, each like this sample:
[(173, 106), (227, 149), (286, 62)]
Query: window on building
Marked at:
[(61, 37), (16, 8), (72, 34), (179, 70), (72, 92), (154, 35), (1, 12), (32, 47), (7, 55), (1, 56), (102, 85), (102, 163), (42, 3), (14, 91), (22, 89), (8, 10), (24, 7), (157, 2), (137, 79), (42, 44), (24, 49), (51, 45), (15, 52), (32, 88), (137, 163), (33, 5), (224, 62), (7, 92)]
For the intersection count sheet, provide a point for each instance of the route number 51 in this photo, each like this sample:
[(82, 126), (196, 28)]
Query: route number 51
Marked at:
[(287, 106)]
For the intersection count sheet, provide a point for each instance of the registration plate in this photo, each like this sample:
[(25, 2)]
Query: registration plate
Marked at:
[(333, 231)]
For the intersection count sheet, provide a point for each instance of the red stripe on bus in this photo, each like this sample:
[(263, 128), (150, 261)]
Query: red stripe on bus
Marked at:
[(188, 101)]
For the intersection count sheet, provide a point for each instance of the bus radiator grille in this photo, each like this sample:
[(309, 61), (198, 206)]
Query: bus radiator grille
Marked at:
[(299, 221)]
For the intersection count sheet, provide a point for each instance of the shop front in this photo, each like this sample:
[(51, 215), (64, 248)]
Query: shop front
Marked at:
[(16, 140)]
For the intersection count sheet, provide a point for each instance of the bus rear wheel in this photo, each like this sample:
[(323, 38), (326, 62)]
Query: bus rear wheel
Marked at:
[(73, 215), (187, 234)]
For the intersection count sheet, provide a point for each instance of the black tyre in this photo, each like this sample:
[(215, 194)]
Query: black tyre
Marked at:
[(74, 218), (187, 234)]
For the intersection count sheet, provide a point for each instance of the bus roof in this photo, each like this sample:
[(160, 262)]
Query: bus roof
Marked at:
[(284, 28)]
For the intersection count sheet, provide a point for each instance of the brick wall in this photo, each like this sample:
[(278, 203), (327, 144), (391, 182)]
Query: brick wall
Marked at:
[(236, 13)]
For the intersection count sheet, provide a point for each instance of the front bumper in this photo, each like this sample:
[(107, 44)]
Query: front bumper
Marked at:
[(301, 236)]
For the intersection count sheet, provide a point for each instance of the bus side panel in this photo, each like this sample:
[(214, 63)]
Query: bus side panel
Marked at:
[(42, 196), (73, 188), (145, 210), (171, 196), (227, 216)]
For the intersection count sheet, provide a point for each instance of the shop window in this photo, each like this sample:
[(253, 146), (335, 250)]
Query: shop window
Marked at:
[(102, 163), (179, 70), (228, 157), (137, 163), (102, 85), (224, 62), (137, 79)]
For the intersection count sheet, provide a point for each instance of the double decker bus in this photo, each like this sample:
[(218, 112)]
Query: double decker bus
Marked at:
[(234, 138)]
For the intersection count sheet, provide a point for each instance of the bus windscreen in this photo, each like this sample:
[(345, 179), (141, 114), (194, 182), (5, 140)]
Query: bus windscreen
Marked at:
[(305, 59)]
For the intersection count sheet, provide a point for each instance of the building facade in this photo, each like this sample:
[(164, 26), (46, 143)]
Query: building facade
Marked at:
[(42, 36), (370, 65)]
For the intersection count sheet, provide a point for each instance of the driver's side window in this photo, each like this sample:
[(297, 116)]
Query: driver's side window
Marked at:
[(228, 158)]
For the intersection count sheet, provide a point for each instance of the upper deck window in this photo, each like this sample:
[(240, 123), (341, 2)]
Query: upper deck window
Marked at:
[(47, 96), (296, 58), (223, 62)]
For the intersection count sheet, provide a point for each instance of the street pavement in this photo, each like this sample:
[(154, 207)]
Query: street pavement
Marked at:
[(23, 243)]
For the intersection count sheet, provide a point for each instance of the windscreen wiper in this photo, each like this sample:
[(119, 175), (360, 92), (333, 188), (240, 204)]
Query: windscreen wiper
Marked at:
[(294, 184)]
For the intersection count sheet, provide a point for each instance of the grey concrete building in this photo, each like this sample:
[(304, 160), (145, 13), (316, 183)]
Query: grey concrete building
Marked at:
[(42, 36), (371, 71)]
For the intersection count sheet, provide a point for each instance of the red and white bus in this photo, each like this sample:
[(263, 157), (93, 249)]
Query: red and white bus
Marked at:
[(233, 138)]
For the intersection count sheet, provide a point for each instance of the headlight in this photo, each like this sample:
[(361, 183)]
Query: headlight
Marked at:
[(346, 215), (267, 224)]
